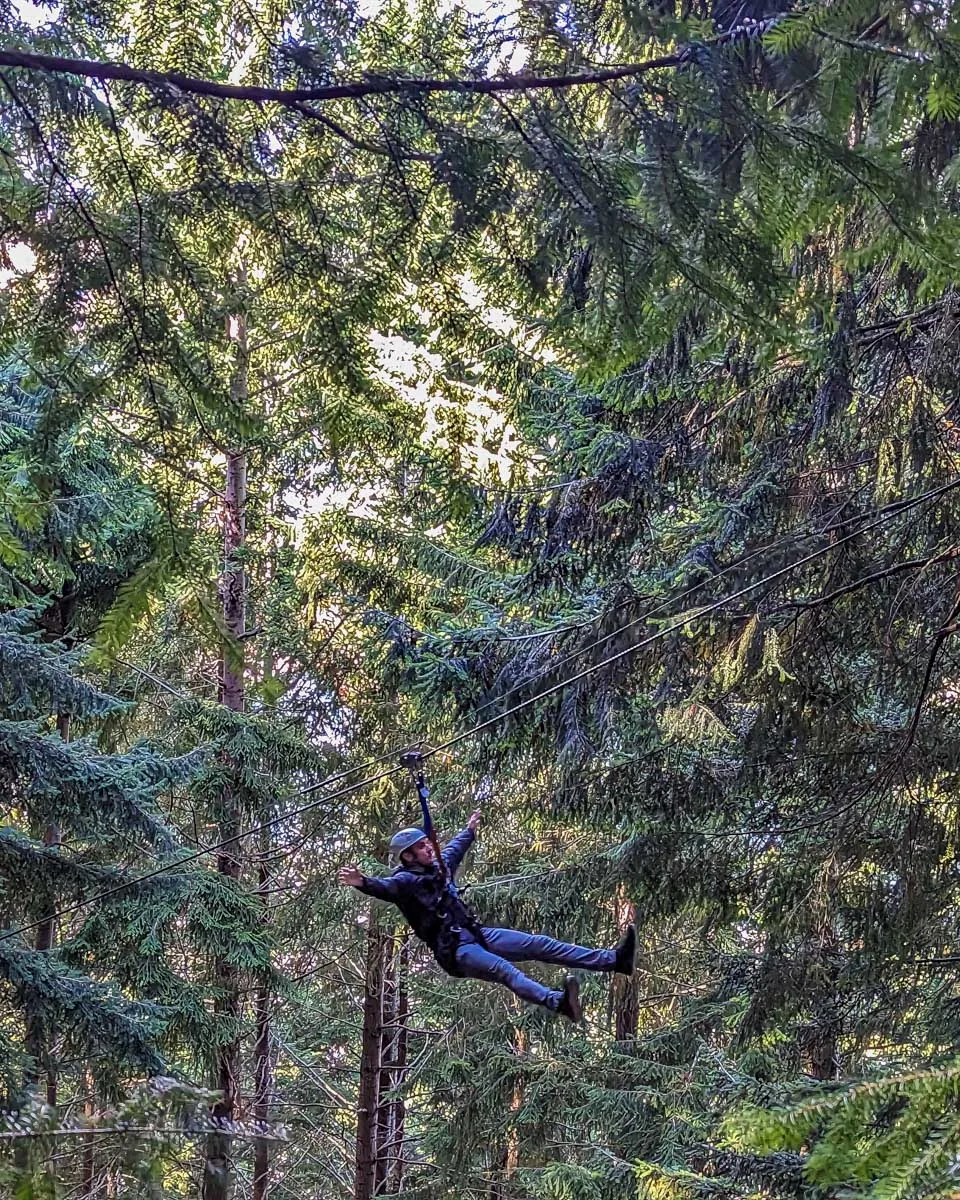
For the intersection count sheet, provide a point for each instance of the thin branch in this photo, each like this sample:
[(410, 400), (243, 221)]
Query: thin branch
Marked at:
[(128, 1130), (914, 56), (362, 144), (942, 634), (866, 580), (371, 86)]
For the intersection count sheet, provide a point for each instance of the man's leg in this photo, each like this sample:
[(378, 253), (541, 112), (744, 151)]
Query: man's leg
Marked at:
[(515, 946), (477, 963)]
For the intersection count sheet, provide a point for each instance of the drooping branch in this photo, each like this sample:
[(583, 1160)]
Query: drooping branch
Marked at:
[(370, 86)]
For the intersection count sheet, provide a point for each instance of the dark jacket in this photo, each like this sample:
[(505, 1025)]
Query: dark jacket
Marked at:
[(435, 911)]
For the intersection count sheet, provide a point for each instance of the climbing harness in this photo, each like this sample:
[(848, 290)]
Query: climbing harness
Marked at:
[(413, 761), (451, 913)]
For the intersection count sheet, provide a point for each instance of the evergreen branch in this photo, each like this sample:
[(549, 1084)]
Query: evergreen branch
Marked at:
[(914, 56), (690, 591), (372, 86), (161, 683), (919, 316), (97, 1013), (234, 1128), (23, 658), (57, 168), (362, 144)]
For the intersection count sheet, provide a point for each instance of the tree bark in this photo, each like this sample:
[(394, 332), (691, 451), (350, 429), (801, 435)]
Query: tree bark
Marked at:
[(38, 1040), (218, 1168), (399, 1122), (506, 1156), (365, 1178), (88, 1170), (391, 1111), (823, 1037), (262, 1073), (388, 1030), (516, 1103), (626, 990)]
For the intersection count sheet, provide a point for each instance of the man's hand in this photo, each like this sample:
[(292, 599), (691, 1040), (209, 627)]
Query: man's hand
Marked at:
[(350, 877), (474, 820)]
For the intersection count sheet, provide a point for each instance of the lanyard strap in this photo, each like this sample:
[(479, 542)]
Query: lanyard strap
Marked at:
[(413, 761)]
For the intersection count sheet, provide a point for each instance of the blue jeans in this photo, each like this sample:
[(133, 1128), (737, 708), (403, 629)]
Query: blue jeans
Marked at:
[(508, 946)]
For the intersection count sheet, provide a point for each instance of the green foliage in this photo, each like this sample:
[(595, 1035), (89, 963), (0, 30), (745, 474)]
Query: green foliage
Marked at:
[(597, 401), (94, 1014), (150, 1126), (893, 1137)]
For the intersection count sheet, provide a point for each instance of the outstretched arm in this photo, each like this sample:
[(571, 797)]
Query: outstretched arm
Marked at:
[(380, 889), (457, 847)]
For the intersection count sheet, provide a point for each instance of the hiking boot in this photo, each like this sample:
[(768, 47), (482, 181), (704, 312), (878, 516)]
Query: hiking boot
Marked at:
[(569, 1005), (626, 951)]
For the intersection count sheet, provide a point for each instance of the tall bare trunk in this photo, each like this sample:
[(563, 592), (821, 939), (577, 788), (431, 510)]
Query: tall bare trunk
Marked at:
[(823, 1035), (506, 1157), (262, 1073), (39, 1040), (365, 1178), (88, 1169), (626, 989), (218, 1168), (391, 1111), (516, 1103), (388, 1026), (399, 1122)]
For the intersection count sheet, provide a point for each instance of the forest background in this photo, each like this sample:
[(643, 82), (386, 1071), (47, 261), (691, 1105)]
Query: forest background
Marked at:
[(568, 388)]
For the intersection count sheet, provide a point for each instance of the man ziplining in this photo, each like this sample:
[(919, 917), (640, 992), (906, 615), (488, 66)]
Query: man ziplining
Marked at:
[(423, 887)]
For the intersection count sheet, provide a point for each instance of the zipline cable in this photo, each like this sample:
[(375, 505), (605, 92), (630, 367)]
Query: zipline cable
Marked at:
[(686, 620), (800, 535), (769, 548), (896, 507), (196, 854), (692, 589)]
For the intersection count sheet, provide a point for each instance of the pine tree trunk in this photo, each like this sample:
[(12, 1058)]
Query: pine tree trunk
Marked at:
[(516, 1103), (370, 1066), (388, 1029), (391, 1110), (823, 1037), (506, 1157), (218, 1171), (626, 990), (398, 1104), (88, 1175), (39, 1041), (262, 1073), (39, 1044)]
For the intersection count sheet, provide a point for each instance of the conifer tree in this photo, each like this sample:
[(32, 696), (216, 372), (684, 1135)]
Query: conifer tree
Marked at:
[(715, 301), (73, 526)]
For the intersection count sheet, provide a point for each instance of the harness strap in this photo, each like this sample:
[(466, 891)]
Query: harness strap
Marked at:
[(413, 761)]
